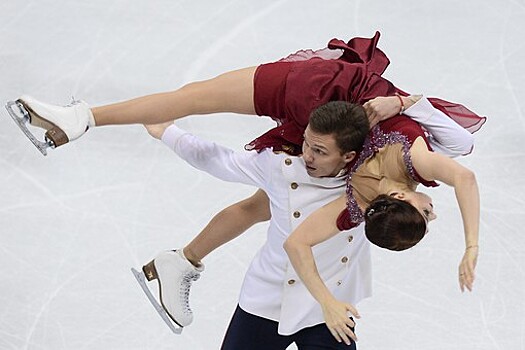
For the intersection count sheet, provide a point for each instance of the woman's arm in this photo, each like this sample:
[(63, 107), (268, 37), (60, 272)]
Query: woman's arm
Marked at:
[(433, 166), (318, 227)]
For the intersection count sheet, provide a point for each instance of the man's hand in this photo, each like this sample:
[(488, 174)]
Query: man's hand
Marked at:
[(382, 108), (157, 130), (337, 320)]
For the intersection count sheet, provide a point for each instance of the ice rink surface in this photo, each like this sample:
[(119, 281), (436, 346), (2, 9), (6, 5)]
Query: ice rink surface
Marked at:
[(73, 223)]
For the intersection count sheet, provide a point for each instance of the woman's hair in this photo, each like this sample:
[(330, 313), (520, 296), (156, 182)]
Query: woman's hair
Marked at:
[(346, 121), (393, 224)]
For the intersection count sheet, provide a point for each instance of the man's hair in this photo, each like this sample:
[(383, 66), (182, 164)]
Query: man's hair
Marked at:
[(393, 224), (346, 121)]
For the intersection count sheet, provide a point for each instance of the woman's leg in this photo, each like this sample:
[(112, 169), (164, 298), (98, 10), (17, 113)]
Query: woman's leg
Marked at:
[(227, 225), (228, 92), (176, 270)]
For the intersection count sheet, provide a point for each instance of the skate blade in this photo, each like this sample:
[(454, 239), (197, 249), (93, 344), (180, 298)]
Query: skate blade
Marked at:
[(21, 117), (141, 279)]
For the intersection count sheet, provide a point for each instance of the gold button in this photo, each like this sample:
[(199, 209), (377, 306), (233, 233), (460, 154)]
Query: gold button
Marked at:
[(339, 282), (350, 238), (296, 214), (288, 161), (290, 282), (294, 185), (344, 259)]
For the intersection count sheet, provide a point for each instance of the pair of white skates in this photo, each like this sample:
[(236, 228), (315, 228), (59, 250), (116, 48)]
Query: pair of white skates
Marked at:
[(173, 272)]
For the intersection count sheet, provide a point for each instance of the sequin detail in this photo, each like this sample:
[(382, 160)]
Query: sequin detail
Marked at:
[(375, 140)]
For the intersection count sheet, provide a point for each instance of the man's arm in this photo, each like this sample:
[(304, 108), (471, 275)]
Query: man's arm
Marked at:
[(447, 137), (218, 161)]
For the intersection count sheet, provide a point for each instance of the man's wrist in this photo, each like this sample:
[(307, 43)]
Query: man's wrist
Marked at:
[(411, 100), (171, 135)]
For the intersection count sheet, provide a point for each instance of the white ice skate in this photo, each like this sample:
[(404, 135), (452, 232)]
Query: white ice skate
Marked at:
[(62, 123), (174, 274)]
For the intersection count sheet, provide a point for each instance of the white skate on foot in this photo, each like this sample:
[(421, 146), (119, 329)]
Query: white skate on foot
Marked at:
[(174, 274), (62, 123)]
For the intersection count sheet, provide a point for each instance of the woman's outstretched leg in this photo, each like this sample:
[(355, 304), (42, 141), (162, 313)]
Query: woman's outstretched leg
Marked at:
[(175, 270), (228, 92)]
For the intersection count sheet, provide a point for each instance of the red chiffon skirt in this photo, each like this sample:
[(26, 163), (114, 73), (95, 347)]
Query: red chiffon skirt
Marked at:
[(290, 89)]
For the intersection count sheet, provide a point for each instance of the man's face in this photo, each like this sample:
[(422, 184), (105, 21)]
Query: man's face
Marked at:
[(322, 156)]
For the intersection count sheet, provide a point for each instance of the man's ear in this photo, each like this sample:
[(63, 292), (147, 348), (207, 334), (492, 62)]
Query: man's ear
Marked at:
[(349, 156)]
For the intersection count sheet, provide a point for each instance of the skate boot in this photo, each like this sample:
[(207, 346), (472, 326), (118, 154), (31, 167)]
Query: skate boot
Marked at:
[(61, 123), (174, 274)]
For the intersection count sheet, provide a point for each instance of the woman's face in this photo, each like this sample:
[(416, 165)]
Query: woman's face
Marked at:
[(421, 201)]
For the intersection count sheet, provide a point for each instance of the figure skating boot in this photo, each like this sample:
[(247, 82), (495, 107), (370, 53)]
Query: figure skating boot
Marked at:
[(62, 123), (174, 274)]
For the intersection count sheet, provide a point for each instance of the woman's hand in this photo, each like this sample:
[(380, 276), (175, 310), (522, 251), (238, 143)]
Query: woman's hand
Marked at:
[(337, 320), (467, 267), (157, 130)]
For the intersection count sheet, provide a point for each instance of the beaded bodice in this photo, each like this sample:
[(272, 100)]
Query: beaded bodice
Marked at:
[(385, 157)]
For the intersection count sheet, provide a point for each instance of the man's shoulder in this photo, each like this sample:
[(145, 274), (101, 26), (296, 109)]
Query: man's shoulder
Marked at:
[(279, 160)]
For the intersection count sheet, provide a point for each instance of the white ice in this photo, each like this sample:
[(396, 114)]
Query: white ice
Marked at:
[(73, 223)]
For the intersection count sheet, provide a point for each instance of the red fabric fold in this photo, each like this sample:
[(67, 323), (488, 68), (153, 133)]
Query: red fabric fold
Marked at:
[(293, 87)]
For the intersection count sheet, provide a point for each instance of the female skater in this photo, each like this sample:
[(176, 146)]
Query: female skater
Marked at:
[(394, 159)]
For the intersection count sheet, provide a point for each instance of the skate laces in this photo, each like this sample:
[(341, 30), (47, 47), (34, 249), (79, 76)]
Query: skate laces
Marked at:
[(187, 279), (73, 102)]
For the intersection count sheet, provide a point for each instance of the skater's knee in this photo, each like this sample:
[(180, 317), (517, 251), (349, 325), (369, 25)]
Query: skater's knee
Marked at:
[(194, 97), (202, 97), (257, 206)]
